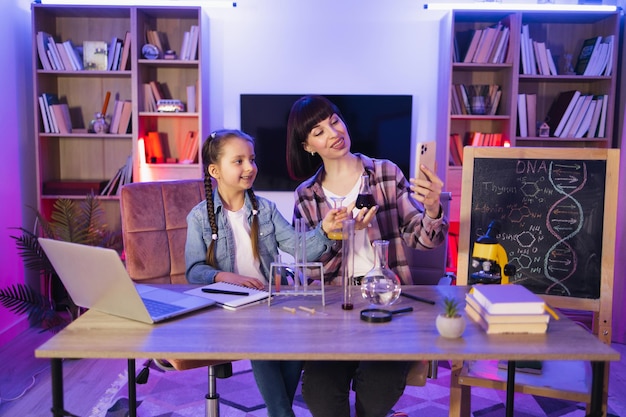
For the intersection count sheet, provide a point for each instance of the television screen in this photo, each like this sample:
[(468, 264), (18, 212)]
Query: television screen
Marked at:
[(379, 126)]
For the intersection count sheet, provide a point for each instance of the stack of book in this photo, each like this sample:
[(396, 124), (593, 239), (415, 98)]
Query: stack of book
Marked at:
[(507, 309)]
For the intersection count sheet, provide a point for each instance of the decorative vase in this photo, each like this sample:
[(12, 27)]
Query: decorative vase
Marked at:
[(450, 327), (381, 286)]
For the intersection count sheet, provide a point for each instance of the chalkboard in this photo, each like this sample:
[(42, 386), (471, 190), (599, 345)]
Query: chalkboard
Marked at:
[(556, 208)]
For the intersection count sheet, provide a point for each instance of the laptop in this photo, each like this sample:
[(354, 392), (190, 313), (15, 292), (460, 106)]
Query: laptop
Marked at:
[(96, 278)]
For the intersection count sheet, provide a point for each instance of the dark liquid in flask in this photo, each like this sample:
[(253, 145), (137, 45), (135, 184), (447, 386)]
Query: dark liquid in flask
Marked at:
[(347, 306), (365, 200)]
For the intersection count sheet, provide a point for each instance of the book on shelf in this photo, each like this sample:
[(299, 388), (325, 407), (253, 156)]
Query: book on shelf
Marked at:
[(42, 40), (586, 120), (189, 151), (191, 98), (531, 114), (230, 296), (44, 115), (470, 302), (149, 104), (95, 55), (49, 100), (124, 124), (486, 44), (541, 57), (456, 149), (595, 118), (154, 148), (602, 122), (124, 60), (111, 53), (499, 54), (61, 116), (504, 328), (577, 118), (508, 299), (471, 50), (65, 58), (157, 91), (462, 41), (573, 117), (116, 115), (551, 62), (560, 110), (522, 117), (584, 56), (194, 39), (74, 54), (122, 177), (610, 40)]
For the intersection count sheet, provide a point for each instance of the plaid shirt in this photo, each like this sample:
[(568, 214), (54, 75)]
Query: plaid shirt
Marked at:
[(400, 218)]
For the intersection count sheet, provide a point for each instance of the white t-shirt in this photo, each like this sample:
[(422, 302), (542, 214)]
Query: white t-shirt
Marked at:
[(245, 263), (363, 252)]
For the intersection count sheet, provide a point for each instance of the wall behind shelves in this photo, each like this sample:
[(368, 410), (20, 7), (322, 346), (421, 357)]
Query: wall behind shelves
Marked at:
[(17, 169)]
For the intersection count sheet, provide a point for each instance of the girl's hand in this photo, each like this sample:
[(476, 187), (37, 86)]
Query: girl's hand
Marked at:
[(428, 192), (334, 218), (237, 279), (364, 217)]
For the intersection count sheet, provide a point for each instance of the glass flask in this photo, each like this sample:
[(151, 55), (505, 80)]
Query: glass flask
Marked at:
[(381, 286), (337, 204), (365, 197)]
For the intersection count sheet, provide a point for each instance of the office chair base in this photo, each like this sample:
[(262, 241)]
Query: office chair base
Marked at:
[(212, 406)]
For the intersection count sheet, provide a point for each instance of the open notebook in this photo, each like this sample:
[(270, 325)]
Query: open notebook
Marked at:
[(230, 296), (96, 278)]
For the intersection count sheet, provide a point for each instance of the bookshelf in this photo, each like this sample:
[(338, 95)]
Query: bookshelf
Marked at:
[(561, 32), (71, 164)]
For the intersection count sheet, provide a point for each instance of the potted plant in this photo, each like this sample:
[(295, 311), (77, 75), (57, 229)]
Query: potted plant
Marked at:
[(76, 221), (450, 323)]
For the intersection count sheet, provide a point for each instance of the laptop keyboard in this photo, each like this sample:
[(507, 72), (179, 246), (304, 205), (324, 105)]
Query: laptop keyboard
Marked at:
[(157, 308)]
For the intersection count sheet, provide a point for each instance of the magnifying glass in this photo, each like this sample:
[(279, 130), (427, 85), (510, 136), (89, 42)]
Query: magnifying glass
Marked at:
[(379, 315)]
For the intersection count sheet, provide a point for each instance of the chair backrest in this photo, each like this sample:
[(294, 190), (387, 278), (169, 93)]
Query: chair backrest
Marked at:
[(565, 211), (428, 266), (154, 228)]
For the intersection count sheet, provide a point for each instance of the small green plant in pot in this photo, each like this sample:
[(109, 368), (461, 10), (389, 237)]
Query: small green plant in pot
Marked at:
[(450, 323), (78, 221)]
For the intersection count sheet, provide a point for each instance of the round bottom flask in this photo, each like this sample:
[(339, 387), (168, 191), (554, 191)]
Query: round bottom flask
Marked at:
[(381, 286)]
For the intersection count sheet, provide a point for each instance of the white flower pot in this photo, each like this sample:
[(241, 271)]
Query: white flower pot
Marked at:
[(450, 327)]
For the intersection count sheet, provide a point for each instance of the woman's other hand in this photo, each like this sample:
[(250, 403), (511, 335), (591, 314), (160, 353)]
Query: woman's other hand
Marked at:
[(428, 192), (363, 217)]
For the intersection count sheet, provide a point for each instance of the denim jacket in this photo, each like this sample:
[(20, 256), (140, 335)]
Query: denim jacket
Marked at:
[(274, 232)]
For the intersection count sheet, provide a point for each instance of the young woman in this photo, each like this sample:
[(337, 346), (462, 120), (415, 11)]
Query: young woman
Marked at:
[(234, 235), (406, 213)]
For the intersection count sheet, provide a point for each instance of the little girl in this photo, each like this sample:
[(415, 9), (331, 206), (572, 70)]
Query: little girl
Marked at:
[(234, 236)]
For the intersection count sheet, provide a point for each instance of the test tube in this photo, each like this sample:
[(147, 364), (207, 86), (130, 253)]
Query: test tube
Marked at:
[(347, 263)]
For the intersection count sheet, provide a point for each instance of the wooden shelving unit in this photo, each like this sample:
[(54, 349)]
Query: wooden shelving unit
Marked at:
[(563, 33), (71, 158)]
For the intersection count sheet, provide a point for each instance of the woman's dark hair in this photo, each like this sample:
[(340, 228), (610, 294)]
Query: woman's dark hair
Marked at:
[(211, 154), (305, 113)]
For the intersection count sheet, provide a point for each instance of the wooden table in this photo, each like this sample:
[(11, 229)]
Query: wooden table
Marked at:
[(262, 332)]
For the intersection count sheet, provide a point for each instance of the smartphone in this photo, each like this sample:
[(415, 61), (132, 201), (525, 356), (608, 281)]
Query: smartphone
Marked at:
[(426, 153)]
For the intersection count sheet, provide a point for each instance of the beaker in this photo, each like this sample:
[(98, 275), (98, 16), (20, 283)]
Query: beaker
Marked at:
[(337, 204), (347, 263), (365, 198), (381, 286)]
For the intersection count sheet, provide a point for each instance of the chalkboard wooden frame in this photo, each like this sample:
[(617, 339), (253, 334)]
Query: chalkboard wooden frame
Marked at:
[(600, 305)]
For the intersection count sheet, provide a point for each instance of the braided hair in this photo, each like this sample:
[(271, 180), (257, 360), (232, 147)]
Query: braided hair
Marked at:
[(211, 154)]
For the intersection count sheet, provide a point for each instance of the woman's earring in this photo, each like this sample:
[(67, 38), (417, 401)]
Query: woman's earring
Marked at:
[(312, 153)]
